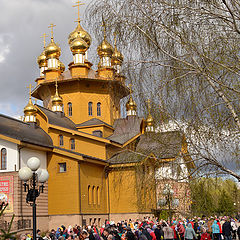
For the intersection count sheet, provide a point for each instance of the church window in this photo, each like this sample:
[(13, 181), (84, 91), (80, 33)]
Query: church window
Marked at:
[(94, 195), (98, 109), (3, 159), (62, 167), (72, 143), (90, 113), (98, 196), (89, 194), (60, 140), (69, 109)]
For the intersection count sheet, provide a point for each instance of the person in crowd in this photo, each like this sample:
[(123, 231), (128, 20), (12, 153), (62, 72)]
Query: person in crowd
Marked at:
[(38, 235), (238, 232), (129, 234), (190, 233), (167, 232), (227, 230), (234, 229), (181, 230), (205, 235), (158, 232), (215, 230)]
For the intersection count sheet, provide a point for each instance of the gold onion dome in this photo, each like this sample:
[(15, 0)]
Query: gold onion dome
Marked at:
[(42, 59), (82, 33), (78, 45), (52, 50), (131, 104), (30, 109), (56, 99), (117, 57), (105, 49), (149, 121)]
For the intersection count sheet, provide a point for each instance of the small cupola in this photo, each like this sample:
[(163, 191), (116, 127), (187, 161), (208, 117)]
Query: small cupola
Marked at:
[(30, 110), (57, 101), (42, 59), (117, 57), (105, 50), (149, 122), (52, 51), (78, 47), (131, 105)]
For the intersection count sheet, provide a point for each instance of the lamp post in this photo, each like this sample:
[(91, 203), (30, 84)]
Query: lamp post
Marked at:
[(168, 200), (34, 179)]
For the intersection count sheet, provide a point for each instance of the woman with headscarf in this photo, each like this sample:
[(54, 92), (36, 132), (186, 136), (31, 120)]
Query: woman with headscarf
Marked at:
[(189, 232)]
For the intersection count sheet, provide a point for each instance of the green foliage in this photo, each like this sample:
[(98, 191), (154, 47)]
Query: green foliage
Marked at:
[(7, 234), (211, 196)]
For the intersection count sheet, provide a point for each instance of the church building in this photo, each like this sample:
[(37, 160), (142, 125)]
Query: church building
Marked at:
[(101, 166)]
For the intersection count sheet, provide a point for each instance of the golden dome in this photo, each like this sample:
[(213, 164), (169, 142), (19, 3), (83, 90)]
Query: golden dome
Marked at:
[(78, 45), (61, 66), (131, 104), (82, 33), (149, 121), (105, 49), (56, 99), (42, 60), (30, 109), (52, 50), (117, 57)]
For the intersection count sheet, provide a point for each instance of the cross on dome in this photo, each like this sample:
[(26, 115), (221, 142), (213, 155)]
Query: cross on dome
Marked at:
[(78, 4), (52, 26), (44, 39)]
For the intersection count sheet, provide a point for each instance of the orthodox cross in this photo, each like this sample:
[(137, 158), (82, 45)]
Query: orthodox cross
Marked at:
[(130, 88), (30, 90), (104, 27), (44, 39), (115, 38), (78, 4), (56, 87), (149, 105), (52, 26)]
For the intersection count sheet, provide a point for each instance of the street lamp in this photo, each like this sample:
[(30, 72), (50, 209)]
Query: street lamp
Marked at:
[(168, 200), (32, 175)]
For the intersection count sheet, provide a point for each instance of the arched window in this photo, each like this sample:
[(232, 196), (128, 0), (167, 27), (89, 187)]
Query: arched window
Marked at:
[(98, 196), (3, 159), (90, 108), (98, 109), (72, 143), (89, 194), (94, 195), (69, 109), (60, 140)]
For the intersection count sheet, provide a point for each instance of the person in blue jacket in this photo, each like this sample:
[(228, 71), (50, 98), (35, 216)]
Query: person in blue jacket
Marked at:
[(215, 231)]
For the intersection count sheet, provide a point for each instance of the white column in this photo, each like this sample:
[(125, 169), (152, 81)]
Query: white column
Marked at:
[(78, 58), (57, 108), (52, 63)]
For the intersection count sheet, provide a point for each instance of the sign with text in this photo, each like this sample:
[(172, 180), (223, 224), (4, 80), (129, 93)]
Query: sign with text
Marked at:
[(6, 192)]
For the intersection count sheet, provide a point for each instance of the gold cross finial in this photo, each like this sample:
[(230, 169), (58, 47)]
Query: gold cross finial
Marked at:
[(78, 4), (56, 87), (115, 39), (44, 39), (104, 27), (130, 88), (30, 91), (52, 26), (149, 105)]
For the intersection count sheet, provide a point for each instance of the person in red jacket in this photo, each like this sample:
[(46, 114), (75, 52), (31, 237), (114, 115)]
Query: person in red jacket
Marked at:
[(174, 230), (205, 235)]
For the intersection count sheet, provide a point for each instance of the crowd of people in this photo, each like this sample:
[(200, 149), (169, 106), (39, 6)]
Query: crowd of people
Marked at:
[(224, 228)]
